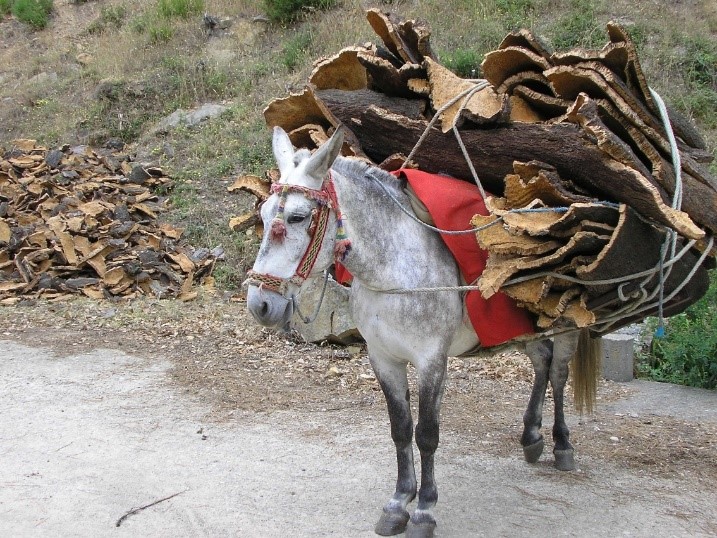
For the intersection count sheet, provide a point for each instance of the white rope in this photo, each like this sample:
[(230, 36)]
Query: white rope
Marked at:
[(471, 230), (640, 295), (674, 150)]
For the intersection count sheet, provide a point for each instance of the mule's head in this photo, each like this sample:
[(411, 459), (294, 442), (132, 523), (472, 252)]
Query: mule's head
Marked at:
[(299, 229)]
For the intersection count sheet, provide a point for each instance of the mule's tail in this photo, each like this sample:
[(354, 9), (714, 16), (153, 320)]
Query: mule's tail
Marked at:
[(585, 369)]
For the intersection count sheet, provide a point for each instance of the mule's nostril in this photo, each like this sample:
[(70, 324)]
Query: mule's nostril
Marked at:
[(264, 309)]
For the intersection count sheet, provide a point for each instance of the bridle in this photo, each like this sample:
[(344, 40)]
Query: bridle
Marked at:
[(326, 202)]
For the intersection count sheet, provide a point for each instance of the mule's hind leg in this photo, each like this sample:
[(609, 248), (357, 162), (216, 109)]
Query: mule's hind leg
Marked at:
[(540, 353), (563, 351), (392, 378)]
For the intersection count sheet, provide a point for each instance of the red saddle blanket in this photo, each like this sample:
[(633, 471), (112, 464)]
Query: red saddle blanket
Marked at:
[(452, 204)]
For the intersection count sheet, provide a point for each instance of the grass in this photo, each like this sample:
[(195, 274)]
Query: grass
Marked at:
[(287, 11), (579, 27), (111, 17), (295, 49)]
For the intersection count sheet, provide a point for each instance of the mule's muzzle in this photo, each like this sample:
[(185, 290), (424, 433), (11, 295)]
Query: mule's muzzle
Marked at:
[(269, 308)]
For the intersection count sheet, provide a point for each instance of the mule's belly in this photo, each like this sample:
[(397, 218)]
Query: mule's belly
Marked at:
[(409, 326), (465, 339)]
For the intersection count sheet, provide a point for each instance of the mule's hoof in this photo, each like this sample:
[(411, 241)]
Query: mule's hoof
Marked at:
[(423, 529), (532, 453), (564, 459), (392, 523)]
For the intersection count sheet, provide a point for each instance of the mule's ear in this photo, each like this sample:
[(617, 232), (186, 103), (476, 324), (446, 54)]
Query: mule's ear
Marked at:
[(324, 157), (283, 151)]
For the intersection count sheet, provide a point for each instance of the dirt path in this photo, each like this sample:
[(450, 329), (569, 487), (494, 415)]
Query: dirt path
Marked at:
[(90, 433)]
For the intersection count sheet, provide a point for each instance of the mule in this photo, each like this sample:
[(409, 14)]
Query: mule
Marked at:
[(327, 208)]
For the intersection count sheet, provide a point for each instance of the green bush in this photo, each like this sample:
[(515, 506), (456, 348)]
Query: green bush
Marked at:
[(700, 63), (687, 353), (284, 11), (36, 13), (5, 7), (156, 22), (464, 63), (295, 48), (699, 67), (179, 8)]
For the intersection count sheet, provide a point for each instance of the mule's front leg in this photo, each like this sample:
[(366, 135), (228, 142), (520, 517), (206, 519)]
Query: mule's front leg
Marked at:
[(430, 393), (392, 378)]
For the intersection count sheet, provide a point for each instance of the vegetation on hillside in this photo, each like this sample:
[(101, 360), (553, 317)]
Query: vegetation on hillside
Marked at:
[(36, 13), (110, 69), (687, 353)]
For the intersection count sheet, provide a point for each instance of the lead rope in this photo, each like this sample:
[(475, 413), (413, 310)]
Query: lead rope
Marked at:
[(312, 318)]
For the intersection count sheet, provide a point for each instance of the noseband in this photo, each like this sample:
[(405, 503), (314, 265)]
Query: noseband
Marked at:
[(326, 201)]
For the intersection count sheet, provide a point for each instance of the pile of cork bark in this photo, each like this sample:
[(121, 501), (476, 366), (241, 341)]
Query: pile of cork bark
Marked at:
[(74, 220), (573, 147)]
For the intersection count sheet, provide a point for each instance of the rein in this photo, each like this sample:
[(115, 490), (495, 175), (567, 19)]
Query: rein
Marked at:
[(326, 202)]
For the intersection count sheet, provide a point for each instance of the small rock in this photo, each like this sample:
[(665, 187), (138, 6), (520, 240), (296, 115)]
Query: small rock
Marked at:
[(114, 143), (83, 58), (53, 158), (333, 322), (213, 23), (138, 174), (615, 439), (190, 118), (108, 88), (44, 78)]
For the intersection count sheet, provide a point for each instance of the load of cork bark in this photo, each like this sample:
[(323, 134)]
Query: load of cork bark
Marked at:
[(75, 220), (591, 222)]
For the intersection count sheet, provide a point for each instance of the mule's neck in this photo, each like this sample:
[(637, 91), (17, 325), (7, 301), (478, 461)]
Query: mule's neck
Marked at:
[(389, 250)]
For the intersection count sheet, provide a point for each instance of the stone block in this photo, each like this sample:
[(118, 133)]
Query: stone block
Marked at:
[(618, 357), (333, 322)]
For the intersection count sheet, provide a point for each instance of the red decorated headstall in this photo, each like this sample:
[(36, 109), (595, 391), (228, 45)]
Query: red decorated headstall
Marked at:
[(326, 201)]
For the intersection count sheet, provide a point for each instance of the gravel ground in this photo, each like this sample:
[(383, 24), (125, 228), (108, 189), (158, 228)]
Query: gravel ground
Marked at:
[(229, 375)]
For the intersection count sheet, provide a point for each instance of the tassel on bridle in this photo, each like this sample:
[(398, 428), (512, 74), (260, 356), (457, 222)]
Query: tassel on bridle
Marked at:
[(343, 244), (278, 225)]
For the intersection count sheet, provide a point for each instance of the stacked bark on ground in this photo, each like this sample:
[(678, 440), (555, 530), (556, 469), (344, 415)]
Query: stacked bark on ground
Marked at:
[(73, 220), (576, 137)]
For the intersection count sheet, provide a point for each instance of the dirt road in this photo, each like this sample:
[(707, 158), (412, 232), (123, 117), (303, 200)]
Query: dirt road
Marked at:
[(88, 437)]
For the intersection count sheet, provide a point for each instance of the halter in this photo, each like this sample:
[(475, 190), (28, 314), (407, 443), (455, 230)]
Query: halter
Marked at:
[(326, 201)]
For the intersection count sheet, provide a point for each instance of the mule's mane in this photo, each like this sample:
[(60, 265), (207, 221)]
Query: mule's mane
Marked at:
[(357, 169)]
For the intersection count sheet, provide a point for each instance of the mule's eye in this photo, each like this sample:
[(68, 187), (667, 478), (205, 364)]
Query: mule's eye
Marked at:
[(296, 218)]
